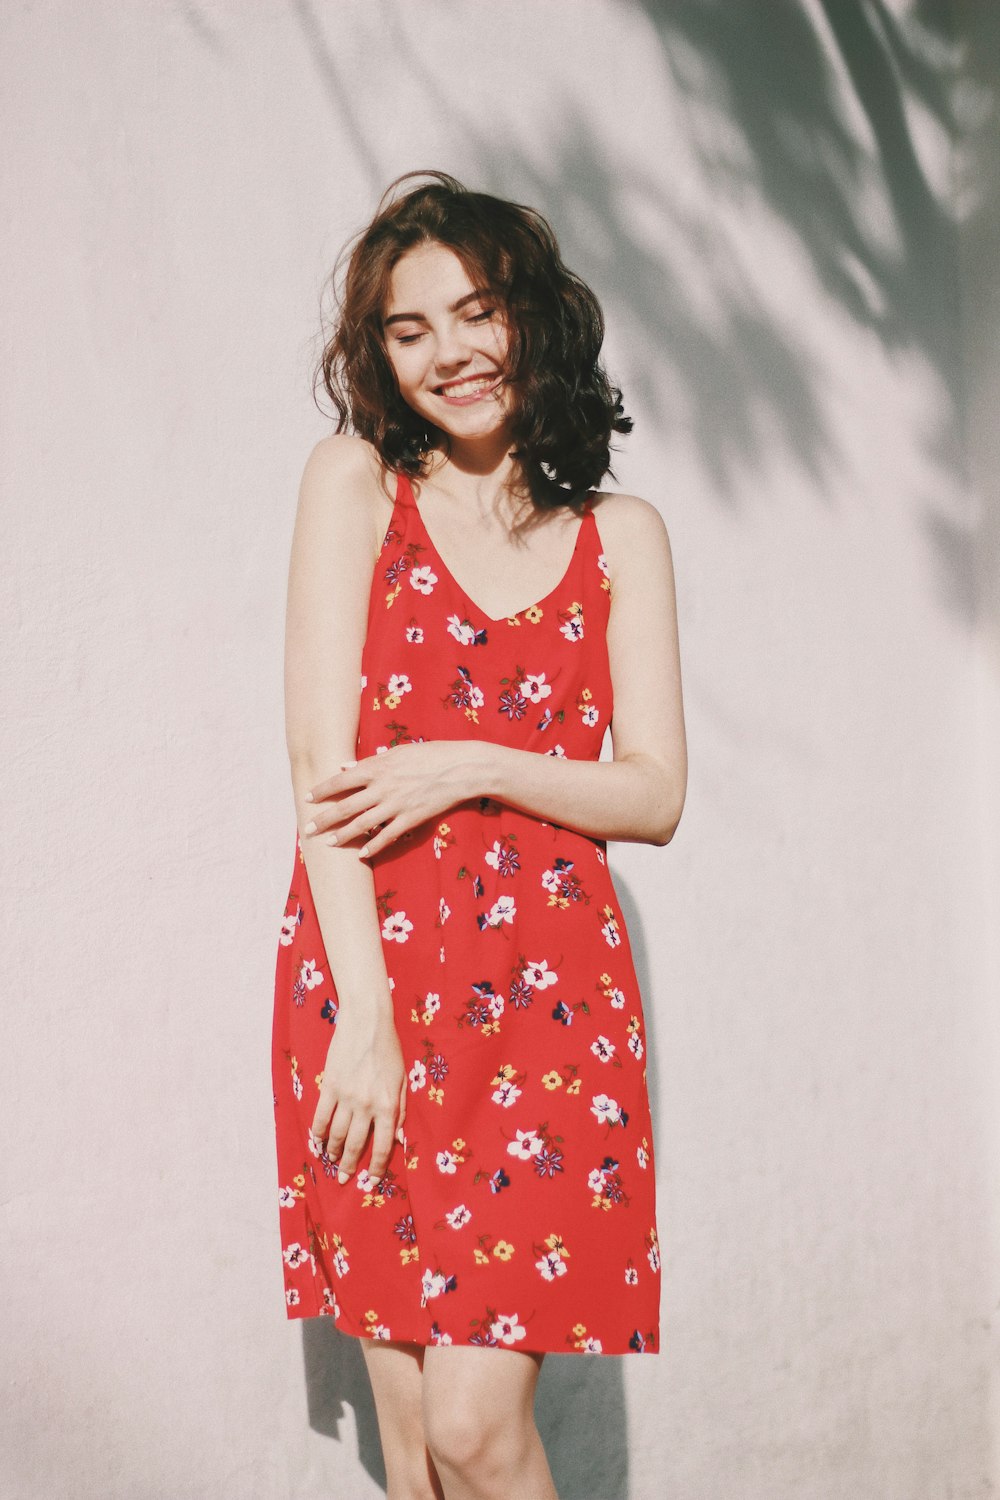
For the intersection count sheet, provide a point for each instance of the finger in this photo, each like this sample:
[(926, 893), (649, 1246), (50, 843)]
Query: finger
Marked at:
[(364, 821), (347, 775), (354, 1145), (396, 828), (329, 814), (401, 1114), (381, 1145), (320, 1127), (339, 1129)]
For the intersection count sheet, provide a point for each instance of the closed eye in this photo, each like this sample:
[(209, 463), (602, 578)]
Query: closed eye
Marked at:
[(410, 338)]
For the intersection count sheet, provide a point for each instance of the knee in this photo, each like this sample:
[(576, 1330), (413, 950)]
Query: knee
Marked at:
[(463, 1438)]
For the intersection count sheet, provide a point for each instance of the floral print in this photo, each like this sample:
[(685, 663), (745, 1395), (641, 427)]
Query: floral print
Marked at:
[(520, 1211)]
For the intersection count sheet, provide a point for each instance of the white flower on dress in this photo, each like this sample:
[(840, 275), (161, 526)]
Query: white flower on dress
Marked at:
[(286, 1197), (631, 1276), (432, 1003), (617, 998), (340, 1263), (423, 579), (446, 1161), (310, 975), (535, 688), (507, 1094), (572, 629), (608, 1111), (635, 1044), (459, 1216), (380, 1332), (432, 1284), (603, 1048), (611, 934), (508, 1328), (592, 1346), (492, 856), (396, 928), (296, 1255), (399, 684), (539, 975), (414, 633), (552, 1265), (591, 715), (556, 750), (463, 631), (642, 1156), (288, 927), (418, 1075), (527, 1145), (502, 910)]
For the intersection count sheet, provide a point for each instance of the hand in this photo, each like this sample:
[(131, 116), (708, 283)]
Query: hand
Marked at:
[(364, 1086), (394, 791)]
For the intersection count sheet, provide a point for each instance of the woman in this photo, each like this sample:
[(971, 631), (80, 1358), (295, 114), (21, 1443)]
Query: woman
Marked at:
[(465, 1147)]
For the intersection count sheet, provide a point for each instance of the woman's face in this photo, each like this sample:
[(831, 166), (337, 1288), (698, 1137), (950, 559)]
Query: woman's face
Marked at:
[(446, 341)]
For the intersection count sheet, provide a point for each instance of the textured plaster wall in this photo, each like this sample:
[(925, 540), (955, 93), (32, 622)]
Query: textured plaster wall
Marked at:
[(788, 212)]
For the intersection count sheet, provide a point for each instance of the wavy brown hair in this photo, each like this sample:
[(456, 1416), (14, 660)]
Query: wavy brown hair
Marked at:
[(564, 407)]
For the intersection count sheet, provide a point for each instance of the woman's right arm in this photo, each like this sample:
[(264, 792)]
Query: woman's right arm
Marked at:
[(330, 574)]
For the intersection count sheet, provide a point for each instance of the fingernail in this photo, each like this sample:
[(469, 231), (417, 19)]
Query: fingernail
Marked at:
[(310, 828), (308, 797), (347, 763), (343, 1177)]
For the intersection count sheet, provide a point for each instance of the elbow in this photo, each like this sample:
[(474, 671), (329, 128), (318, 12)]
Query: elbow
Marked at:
[(671, 806)]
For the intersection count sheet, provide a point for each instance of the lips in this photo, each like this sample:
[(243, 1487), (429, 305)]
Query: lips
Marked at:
[(469, 385)]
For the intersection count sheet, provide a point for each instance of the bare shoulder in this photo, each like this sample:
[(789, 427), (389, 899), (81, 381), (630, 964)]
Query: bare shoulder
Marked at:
[(633, 533), (343, 472)]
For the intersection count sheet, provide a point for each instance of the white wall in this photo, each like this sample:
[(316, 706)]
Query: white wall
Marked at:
[(767, 209)]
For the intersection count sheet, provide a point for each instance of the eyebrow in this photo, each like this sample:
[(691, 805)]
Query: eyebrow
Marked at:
[(417, 317)]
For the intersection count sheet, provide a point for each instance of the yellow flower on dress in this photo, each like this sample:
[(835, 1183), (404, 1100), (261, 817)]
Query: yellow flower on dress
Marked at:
[(371, 1316), (534, 614), (574, 1087), (392, 700), (579, 1329), (552, 1080), (435, 1094), (586, 694), (300, 1179), (481, 1257), (555, 1242), (503, 1249)]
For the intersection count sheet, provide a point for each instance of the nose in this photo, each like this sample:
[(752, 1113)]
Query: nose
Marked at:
[(453, 350)]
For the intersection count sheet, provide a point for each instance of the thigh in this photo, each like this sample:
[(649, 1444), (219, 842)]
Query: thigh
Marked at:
[(394, 1370), (489, 1386)]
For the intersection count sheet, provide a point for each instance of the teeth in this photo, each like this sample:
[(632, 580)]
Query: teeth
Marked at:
[(468, 386)]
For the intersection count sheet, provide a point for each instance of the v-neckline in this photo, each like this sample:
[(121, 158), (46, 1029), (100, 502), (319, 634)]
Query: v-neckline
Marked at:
[(514, 614)]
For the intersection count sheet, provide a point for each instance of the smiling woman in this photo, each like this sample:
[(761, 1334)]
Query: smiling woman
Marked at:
[(464, 1137)]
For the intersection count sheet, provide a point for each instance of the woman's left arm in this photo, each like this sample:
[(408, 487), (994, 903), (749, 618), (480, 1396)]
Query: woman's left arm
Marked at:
[(638, 796)]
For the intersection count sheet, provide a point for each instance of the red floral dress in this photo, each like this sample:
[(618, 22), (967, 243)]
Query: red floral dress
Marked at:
[(520, 1213)]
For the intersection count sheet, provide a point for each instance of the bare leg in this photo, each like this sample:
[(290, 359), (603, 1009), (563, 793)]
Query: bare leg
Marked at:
[(394, 1369), (479, 1423)]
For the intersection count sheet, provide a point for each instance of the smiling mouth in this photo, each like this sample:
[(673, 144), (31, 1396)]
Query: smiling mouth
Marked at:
[(474, 387)]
